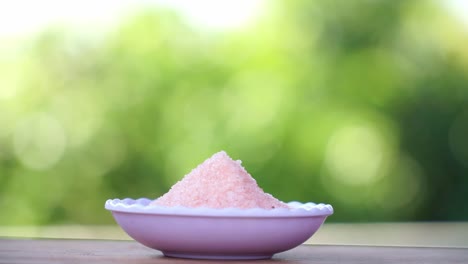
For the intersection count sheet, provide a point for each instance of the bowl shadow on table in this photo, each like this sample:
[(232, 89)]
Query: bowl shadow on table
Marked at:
[(161, 257)]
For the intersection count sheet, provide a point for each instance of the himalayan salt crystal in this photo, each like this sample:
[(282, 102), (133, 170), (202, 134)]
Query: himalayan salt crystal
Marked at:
[(219, 182)]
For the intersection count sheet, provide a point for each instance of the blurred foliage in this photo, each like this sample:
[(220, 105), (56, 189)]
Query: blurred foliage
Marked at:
[(360, 104)]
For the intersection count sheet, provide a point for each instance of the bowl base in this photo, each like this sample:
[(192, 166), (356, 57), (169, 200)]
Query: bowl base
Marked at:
[(219, 257)]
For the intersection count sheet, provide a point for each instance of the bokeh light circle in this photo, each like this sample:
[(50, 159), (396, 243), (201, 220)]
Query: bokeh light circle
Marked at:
[(39, 141)]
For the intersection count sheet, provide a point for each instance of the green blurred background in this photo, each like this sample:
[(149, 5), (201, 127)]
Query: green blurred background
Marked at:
[(360, 104)]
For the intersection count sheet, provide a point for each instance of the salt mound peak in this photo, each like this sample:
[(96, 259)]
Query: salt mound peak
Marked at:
[(219, 182)]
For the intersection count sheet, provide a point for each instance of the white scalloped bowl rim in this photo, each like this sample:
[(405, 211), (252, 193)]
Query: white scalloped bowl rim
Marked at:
[(143, 206)]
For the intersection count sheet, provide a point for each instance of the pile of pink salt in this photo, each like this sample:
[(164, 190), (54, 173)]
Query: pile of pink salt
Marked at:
[(219, 182)]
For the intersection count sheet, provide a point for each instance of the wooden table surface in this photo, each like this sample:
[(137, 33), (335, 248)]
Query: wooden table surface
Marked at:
[(109, 251)]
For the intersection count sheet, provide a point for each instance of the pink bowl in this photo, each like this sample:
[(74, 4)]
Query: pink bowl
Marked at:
[(206, 233)]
